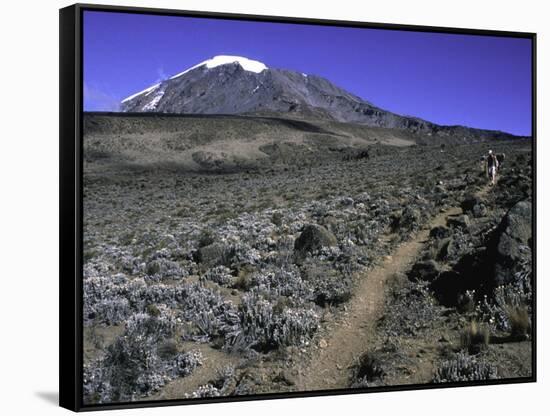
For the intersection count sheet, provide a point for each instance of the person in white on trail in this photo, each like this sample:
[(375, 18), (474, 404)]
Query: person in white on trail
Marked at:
[(492, 166)]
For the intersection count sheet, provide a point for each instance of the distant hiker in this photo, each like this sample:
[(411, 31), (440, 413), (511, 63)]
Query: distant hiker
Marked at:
[(492, 166)]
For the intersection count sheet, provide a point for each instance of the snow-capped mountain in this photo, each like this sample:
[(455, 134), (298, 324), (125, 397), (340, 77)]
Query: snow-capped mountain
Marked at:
[(237, 85)]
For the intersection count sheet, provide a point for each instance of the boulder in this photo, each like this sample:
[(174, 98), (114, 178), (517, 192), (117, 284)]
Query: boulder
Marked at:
[(474, 205), (447, 288), (462, 221), (470, 202), (479, 210), (314, 237), (500, 262), (452, 248), (440, 232), (471, 272), (425, 270), (512, 242), (444, 249)]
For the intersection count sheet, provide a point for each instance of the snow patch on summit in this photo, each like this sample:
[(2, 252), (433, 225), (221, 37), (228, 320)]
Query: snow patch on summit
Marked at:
[(245, 63)]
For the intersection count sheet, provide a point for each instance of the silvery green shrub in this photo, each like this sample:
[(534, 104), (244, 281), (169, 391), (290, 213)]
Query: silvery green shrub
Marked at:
[(264, 327), (132, 367), (464, 367)]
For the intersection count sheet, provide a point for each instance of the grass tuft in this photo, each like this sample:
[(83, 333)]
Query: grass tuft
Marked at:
[(475, 337), (519, 321)]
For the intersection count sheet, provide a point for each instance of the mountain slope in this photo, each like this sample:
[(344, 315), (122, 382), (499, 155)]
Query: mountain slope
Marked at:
[(230, 143), (222, 143), (236, 85)]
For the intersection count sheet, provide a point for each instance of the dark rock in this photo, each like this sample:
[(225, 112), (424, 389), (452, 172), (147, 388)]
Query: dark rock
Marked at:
[(518, 222), (314, 237), (447, 287), (474, 205), (440, 232), (472, 272), (462, 221), (452, 248), (512, 241), (479, 210), (442, 249), (425, 270), (470, 202)]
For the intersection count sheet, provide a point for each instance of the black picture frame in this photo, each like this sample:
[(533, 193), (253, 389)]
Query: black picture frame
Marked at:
[(71, 205)]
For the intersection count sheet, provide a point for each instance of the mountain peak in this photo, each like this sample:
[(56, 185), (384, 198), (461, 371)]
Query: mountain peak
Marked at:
[(218, 60)]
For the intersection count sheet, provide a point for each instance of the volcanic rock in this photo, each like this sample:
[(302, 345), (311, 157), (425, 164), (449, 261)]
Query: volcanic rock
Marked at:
[(462, 221), (314, 237), (513, 239), (474, 205), (440, 232), (425, 270)]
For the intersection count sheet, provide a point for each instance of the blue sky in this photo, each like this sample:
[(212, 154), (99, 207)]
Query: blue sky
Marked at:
[(477, 81)]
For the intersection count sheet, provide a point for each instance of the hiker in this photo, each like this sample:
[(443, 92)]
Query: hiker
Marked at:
[(492, 166)]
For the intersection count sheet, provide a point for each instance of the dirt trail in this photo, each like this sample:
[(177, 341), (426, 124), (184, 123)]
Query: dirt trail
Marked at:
[(212, 361), (350, 337)]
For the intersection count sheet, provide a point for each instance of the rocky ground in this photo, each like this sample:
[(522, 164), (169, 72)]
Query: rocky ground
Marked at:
[(203, 283)]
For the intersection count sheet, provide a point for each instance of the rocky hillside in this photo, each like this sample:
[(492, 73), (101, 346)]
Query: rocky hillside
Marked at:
[(229, 143)]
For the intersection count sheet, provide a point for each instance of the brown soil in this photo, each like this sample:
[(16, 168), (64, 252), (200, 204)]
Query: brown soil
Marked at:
[(212, 361)]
